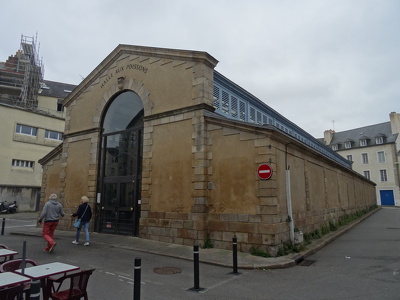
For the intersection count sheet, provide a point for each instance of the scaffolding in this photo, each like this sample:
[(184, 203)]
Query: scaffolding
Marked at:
[(21, 75)]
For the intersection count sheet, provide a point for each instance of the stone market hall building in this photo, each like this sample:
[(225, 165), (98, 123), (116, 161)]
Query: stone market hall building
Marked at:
[(168, 149)]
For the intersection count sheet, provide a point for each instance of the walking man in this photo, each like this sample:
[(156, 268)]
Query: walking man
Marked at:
[(50, 214)]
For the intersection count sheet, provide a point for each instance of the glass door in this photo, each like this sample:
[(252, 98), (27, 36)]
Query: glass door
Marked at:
[(121, 166), (118, 209)]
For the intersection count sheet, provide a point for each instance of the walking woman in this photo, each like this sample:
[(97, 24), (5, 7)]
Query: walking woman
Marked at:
[(84, 213)]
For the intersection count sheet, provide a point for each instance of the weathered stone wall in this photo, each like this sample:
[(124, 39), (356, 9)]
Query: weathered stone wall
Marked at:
[(174, 174), (321, 190), (180, 84)]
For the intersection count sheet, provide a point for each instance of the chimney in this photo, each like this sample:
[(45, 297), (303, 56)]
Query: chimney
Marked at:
[(395, 126), (328, 136), (395, 122)]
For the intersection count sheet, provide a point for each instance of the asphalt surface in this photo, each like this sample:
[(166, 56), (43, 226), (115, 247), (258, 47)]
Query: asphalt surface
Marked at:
[(210, 256), (357, 262)]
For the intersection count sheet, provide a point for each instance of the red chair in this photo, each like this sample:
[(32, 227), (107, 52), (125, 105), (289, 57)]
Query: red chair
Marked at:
[(11, 293), (77, 287), (15, 264)]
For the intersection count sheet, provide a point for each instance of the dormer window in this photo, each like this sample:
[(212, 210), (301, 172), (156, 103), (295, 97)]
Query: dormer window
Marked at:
[(335, 147), (347, 145), (60, 107), (379, 140), (363, 143)]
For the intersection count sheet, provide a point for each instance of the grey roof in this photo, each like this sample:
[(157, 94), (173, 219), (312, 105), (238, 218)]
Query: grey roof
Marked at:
[(370, 133), (56, 89)]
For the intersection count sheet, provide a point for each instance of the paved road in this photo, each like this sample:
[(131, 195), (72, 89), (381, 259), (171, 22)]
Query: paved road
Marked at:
[(363, 263)]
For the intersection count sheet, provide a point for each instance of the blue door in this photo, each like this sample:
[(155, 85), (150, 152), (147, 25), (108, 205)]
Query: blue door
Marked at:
[(387, 197)]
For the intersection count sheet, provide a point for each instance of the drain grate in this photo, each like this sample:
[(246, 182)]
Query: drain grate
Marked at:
[(167, 270), (306, 262)]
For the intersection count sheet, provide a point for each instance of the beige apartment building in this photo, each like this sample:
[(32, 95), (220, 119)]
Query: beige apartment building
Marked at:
[(374, 151), (32, 124), (167, 148)]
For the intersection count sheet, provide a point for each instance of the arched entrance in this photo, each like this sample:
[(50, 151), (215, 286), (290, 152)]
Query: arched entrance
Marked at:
[(121, 165)]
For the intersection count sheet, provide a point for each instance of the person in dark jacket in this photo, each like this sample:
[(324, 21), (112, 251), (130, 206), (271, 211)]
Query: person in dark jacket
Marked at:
[(84, 213), (50, 214)]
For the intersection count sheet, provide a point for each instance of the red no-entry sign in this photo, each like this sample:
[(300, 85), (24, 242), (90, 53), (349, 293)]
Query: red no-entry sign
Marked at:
[(264, 171)]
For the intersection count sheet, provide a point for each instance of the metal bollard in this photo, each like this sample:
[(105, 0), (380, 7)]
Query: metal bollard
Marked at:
[(196, 263), (2, 227), (137, 278), (234, 252), (196, 267), (23, 264)]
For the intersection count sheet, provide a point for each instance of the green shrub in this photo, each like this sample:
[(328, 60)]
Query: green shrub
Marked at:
[(259, 252), (325, 229), (287, 248), (332, 226), (208, 243)]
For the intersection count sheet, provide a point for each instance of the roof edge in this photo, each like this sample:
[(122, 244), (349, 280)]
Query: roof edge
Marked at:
[(185, 55), (49, 156)]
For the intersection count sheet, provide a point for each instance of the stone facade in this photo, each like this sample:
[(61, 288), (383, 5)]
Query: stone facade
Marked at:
[(199, 178)]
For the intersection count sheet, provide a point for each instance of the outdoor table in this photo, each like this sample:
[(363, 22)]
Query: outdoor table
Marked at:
[(45, 271), (9, 278), (7, 252)]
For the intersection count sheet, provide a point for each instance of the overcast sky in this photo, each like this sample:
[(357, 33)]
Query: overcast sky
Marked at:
[(323, 64)]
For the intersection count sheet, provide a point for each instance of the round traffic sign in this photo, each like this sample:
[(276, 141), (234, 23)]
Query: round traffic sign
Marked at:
[(264, 171)]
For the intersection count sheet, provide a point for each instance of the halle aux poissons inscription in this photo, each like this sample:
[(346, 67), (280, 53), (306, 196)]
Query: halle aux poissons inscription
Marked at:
[(122, 69)]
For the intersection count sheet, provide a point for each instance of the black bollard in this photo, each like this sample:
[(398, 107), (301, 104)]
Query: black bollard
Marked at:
[(234, 252), (23, 264), (137, 279), (196, 267), (196, 263), (2, 226)]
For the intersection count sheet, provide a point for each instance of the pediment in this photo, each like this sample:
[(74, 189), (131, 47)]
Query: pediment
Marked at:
[(139, 58)]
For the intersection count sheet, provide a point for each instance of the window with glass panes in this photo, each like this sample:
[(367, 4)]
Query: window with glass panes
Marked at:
[(381, 156), (383, 175), (22, 163), (25, 129), (364, 157), (53, 135)]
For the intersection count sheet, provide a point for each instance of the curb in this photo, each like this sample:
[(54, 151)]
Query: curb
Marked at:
[(219, 256)]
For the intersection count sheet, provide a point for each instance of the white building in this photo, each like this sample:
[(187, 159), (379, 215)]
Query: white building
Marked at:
[(32, 124), (375, 152)]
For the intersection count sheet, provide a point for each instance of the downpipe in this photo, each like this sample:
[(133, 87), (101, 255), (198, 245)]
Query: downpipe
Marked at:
[(289, 205), (289, 198)]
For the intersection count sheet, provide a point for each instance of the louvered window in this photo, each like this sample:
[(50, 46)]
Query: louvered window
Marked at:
[(242, 111), (216, 97), (225, 102), (258, 117), (252, 115), (234, 107)]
